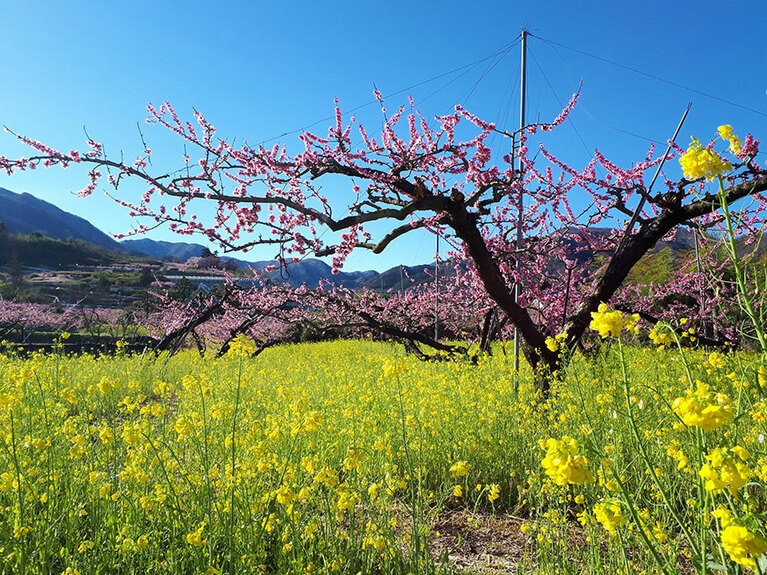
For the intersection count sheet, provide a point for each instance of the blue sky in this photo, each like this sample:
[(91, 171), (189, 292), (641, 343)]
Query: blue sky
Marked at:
[(263, 71)]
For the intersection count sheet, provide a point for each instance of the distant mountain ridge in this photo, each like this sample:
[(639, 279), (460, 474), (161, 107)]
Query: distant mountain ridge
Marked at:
[(166, 251), (25, 214)]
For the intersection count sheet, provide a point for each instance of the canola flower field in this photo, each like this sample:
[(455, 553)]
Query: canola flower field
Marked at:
[(339, 457)]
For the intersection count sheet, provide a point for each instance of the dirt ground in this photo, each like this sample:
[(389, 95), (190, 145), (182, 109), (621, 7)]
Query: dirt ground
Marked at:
[(480, 543)]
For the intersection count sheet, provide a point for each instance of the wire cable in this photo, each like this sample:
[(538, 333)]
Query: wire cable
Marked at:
[(654, 77), (502, 51)]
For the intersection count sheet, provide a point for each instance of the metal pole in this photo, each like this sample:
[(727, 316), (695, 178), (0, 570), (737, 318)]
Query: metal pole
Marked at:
[(640, 205), (699, 269), (436, 292), (520, 199)]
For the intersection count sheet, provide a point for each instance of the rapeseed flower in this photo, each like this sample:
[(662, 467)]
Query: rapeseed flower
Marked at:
[(393, 368), (606, 321), (703, 408), (660, 338), (563, 464), (183, 427), (460, 469), (347, 499), (677, 454), (555, 343), (631, 323), (609, 514), (699, 162), (717, 360), (195, 538), (726, 469), (726, 133), (742, 545), (552, 344), (241, 346)]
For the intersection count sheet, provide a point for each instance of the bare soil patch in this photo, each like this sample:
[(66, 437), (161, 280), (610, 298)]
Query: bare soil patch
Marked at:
[(480, 542)]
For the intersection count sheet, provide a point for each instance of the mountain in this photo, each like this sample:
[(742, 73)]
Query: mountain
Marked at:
[(166, 251), (308, 271), (312, 271), (26, 214)]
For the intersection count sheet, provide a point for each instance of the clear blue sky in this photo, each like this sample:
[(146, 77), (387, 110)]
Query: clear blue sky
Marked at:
[(261, 71)]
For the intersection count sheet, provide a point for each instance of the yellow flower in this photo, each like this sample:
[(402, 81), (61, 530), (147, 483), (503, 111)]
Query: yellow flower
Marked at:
[(552, 344), (460, 469), (726, 469), (742, 545), (677, 454), (346, 499), (9, 400), (724, 516), (726, 133), (631, 323), (195, 538), (494, 492), (105, 385), (660, 338), (699, 162), (563, 463), (327, 476), (142, 542), (609, 514), (393, 368), (658, 531), (312, 421), (241, 346), (457, 491), (716, 359), (285, 495), (703, 408), (606, 321), (183, 426)]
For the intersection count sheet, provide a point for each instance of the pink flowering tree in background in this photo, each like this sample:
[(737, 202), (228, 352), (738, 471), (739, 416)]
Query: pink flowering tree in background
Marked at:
[(700, 294), (270, 313), (20, 321), (438, 174)]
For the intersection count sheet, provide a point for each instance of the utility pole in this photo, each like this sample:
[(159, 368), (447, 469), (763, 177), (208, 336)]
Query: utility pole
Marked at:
[(520, 200), (436, 292)]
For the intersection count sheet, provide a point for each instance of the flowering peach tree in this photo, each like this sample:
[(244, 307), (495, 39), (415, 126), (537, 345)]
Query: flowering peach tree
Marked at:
[(438, 174), (270, 313)]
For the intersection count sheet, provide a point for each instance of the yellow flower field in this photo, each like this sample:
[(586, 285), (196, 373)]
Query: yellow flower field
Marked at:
[(340, 457)]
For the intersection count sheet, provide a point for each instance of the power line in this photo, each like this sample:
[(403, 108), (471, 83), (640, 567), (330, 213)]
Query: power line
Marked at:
[(654, 77), (561, 105), (497, 54)]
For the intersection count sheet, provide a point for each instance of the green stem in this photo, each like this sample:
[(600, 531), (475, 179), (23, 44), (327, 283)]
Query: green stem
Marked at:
[(700, 448), (746, 301), (233, 464), (19, 490), (648, 464), (206, 464)]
